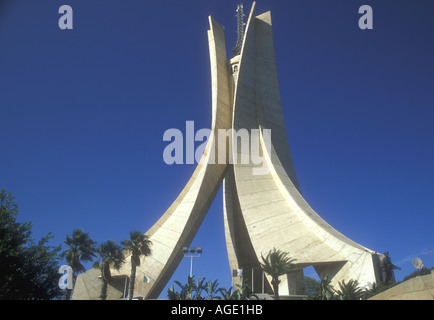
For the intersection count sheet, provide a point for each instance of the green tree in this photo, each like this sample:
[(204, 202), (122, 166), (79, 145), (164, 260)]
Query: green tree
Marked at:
[(349, 290), (28, 269), (41, 269), (377, 288), (326, 291), (81, 248), (138, 245), (276, 264), (110, 255), (312, 287), (421, 272), (13, 237), (172, 294), (243, 292), (192, 290), (187, 290), (199, 286), (212, 288), (230, 294)]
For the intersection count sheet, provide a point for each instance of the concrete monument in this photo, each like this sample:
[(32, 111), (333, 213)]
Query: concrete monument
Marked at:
[(262, 210)]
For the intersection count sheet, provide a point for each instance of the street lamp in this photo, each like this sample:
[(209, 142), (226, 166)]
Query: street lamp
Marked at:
[(191, 253)]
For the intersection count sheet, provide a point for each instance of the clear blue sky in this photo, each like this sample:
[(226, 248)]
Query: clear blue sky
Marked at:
[(83, 112)]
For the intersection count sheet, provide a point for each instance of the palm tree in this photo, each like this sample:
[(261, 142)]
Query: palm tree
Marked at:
[(138, 245), (172, 294), (242, 293), (349, 290), (192, 290), (81, 248), (200, 286), (212, 288), (276, 264), (245, 292), (110, 255), (186, 290), (229, 294)]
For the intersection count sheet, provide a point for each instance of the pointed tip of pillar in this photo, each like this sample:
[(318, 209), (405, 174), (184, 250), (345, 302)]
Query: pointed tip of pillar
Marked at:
[(266, 17)]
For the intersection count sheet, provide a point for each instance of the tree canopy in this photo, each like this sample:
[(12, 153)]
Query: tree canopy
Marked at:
[(28, 268)]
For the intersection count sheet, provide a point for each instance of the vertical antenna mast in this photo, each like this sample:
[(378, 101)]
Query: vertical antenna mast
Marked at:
[(240, 29)]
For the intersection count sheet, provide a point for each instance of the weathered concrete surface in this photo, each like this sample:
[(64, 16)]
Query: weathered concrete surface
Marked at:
[(88, 286), (419, 288)]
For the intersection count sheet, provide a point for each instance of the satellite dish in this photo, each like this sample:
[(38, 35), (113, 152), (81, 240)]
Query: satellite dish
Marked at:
[(417, 263)]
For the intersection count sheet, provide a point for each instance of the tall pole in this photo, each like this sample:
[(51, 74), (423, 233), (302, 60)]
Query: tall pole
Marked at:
[(190, 253)]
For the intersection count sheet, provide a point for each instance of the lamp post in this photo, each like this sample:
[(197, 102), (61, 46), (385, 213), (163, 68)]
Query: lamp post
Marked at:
[(191, 253)]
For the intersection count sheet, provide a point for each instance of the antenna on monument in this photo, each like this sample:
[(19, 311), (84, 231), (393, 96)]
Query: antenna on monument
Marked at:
[(240, 29)]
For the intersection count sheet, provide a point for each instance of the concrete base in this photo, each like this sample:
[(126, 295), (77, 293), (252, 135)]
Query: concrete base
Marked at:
[(88, 286), (419, 288)]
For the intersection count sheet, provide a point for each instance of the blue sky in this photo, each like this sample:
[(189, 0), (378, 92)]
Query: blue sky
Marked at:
[(83, 113)]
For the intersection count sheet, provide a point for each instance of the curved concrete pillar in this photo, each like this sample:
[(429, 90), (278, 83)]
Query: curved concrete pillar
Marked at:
[(178, 226), (270, 204)]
